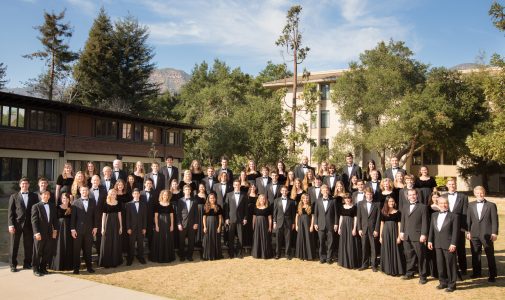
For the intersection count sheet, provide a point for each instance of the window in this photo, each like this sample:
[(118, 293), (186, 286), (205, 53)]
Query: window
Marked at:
[(313, 121), (325, 91), (450, 158), (13, 116), (325, 119), (173, 138), (127, 131), (148, 134), (106, 129), (431, 157), (44, 121), (324, 143), (10, 168), (40, 168)]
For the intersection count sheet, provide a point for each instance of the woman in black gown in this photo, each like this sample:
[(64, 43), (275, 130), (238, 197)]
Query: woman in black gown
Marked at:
[(111, 248), (244, 183), (353, 184), (196, 172), (370, 167), (290, 181), (297, 191), (122, 198), (62, 259), (392, 260), (252, 196), (304, 226), (163, 241), (201, 197), (176, 195), (262, 226), (387, 190), (139, 174), (431, 259), (212, 221), (251, 172), (349, 247), (425, 184), (79, 181), (64, 181), (90, 172), (308, 180), (130, 184), (187, 178), (281, 171)]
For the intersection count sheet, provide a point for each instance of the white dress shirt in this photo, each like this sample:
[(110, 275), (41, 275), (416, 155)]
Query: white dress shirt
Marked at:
[(265, 181), (96, 193), (317, 190), (360, 197), (274, 188), (155, 179), (325, 204), (223, 189), (374, 186), (237, 198), (452, 200), (136, 205), (107, 184), (148, 196), (349, 171), (440, 220), (116, 174), (480, 206), (188, 203), (85, 203), (46, 207), (368, 207), (332, 181), (169, 169), (284, 203), (25, 198), (412, 205)]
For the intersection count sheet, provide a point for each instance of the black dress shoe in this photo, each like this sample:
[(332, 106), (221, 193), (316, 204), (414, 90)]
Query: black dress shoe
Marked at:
[(38, 274), (76, 272), (321, 261), (362, 268), (289, 257), (182, 259), (491, 279), (44, 271), (329, 261), (190, 258), (407, 277), (441, 287), (450, 290), (422, 280), (90, 270), (27, 267), (142, 260), (474, 276), (277, 257), (13, 269)]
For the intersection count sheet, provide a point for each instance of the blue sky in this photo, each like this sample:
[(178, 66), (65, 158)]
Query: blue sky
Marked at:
[(242, 33)]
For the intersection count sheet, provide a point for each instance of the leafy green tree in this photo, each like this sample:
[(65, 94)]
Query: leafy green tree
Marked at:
[(497, 13), (56, 53), (3, 74), (291, 39)]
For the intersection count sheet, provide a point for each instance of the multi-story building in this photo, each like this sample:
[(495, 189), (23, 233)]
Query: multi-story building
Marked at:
[(37, 136)]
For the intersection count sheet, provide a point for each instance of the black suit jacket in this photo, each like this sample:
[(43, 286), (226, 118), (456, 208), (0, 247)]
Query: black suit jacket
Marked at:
[(460, 208), (100, 203), (271, 196), (284, 217), (19, 215), (415, 224), (121, 175), (325, 220), (448, 235), (232, 212), (327, 181), (220, 198), (40, 223), (83, 221), (403, 199), (185, 217), (262, 189), (104, 185), (346, 177), (136, 221), (52, 198), (299, 171), (312, 194), (485, 226), (208, 185), (355, 197), (159, 185), (377, 193), (389, 173), (170, 177), (228, 171), (368, 222)]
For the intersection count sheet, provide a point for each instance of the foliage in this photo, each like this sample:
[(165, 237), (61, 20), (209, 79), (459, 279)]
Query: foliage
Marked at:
[(3, 74), (475, 165), (56, 54), (497, 13)]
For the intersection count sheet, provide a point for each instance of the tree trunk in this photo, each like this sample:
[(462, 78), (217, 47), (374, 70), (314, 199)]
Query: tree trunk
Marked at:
[(293, 103), (382, 155), (485, 181), (51, 77)]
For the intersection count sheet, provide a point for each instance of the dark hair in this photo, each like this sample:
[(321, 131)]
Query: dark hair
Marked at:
[(349, 155), (24, 179), (169, 156), (224, 157), (135, 190), (43, 179), (318, 177), (283, 165), (374, 165), (385, 208), (148, 179)]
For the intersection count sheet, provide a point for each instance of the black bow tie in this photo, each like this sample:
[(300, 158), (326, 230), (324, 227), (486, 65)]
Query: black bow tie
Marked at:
[(274, 183), (169, 167), (116, 171), (223, 183), (452, 194), (284, 199), (136, 201), (413, 203), (187, 199), (265, 177), (304, 166), (95, 189), (395, 168), (107, 179), (24, 193), (84, 200), (155, 174), (325, 199), (374, 182), (237, 193), (443, 212), (46, 203), (481, 201), (360, 193)]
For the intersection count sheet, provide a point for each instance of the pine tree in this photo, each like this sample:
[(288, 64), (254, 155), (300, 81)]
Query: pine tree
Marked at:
[(3, 73), (56, 53)]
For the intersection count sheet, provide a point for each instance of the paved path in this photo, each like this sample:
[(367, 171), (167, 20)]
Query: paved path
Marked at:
[(24, 285)]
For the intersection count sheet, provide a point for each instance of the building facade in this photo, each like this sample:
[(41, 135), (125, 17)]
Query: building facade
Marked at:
[(38, 136)]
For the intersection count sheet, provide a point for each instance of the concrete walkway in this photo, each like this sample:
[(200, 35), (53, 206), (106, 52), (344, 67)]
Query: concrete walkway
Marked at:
[(24, 285)]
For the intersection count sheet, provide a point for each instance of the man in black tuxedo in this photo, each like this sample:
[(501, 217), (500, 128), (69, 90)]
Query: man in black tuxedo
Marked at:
[(19, 222), (43, 184), (284, 222), (98, 194), (157, 177), (458, 204), (414, 233), (222, 188), (482, 219), (374, 184), (332, 179), (83, 228), (273, 188), (443, 237), (224, 169), (187, 223), (315, 190), (235, 214), (118, 172), (170, 171), (45, 229), (303, 168), (263, 181), (107, 181), (326, 224), (149, 197), (368, 229), (395, 168), (350, 169), (136, 227), (403, 199), (209, 180), (359, 195)]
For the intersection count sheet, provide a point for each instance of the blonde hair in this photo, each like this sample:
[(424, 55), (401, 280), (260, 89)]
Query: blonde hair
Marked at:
[(63, 174), (293, 189), (391, 185), (109, 197), (77, 185), (142, 172), (261, 196), (308, 209), (305, 181), (162, 193), (342, 192)]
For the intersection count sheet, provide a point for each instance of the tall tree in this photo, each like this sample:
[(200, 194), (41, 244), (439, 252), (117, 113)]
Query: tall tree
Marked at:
[(3, 74), (54, 35), (95, 72), (497, 13), (291, 39)]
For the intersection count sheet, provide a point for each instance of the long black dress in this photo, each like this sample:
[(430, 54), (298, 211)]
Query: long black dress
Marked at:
[(392, 260), (197, 177), (139, 182), (163, 241), (382, 199), (349, 248), (425, 188), (248, 230), (110, 249), (262, 240), (252, 177), (173, 203), (199, 232), (431, 258), (212, 239), (122, 200), (62, 259), (66, 185), (305, 244)]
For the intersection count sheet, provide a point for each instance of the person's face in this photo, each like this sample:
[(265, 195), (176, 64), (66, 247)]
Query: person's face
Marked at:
[(264, 172), (443, 205), (424, 171), (324, 166), (331, 170), (253, 188), (262, 201), (394, 162), (187, 176), (187, 191), (116, 165), (212, 199), (224, 163), (120, 186), (169, 161), (79, 177), (348, 200), (409, 181), (243, 175), (173, 185), (43, 185), (91, 167), (325, 191), (479, 194), (67, 169), (434, 198), (275, 177), (136, 195), (412, 196), (305, 200), (95, 181), (252, 166), (339, 187), (284, 192), (451, 186), (374, 175), (305, 160), (298, 184), (138, 166), (371, 165), (360, 185), (236, 186), (399, 177), (45, 197), (84, 192), (149, 185), (196, 164), (65, 200), (223, 178), (210, 172), (368, 196), (107, 173), (349, 160), (317, 182), (310, 176), (112, 193), (24, 185), (155, 168), (391, 203), (131, 179), (280, 166), (164, 197), (354, 179), (291, 175), (201, 188)]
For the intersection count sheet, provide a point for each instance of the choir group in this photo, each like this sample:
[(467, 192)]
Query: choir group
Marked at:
[(398, 224)]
